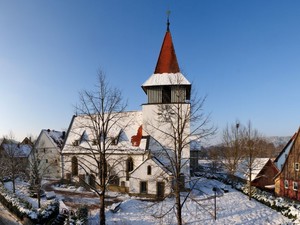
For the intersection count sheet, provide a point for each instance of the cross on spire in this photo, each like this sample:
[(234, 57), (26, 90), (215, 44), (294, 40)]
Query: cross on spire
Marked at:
[(168, 21)]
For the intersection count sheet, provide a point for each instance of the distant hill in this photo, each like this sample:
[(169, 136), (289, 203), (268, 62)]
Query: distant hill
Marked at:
[(278, 141)]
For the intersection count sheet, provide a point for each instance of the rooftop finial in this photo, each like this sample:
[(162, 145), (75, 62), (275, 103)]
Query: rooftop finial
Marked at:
[(168, 21)]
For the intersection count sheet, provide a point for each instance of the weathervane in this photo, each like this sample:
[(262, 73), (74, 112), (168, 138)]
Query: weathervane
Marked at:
[(168, 21)]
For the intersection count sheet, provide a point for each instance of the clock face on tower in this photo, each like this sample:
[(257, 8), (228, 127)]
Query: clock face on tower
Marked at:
[(165, 113)]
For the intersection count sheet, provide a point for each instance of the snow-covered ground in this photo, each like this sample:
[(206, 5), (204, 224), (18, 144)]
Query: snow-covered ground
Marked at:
[(233, 207)]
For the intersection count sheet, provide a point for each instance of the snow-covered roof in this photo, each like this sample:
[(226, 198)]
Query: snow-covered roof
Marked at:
[(16, 149), (166, 79), (281, 158), (243, 170), (124, 126), (56, 136)]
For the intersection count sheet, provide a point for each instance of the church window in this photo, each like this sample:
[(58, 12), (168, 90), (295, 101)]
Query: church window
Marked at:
[(149, 170), (297, 166), (129, 164), (74, 166), (143, 187), (114, 141), (76, 143), (95, 142), (129, 167)]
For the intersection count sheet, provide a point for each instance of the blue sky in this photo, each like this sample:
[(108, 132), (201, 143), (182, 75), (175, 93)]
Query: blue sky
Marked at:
[(244, 55)]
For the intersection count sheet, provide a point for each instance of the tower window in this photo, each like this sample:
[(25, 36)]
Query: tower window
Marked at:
[(166, 94)]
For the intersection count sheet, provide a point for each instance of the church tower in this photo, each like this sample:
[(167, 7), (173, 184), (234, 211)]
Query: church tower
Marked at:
[(168, 93)]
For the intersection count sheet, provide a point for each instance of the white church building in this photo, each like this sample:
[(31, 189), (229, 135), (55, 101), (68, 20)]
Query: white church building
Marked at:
[(137, 158)]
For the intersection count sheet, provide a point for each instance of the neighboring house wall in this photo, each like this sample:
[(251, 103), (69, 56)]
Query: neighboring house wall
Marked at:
[(288, 180), (48, 146)]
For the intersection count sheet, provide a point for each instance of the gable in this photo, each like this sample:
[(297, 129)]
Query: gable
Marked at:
[(293, 157)]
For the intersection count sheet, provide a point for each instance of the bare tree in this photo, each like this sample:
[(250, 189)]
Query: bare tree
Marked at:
[(180, 121), (101, 111), (14, 159), (38, 169), (242, 146), (232, 152), (252, 147)]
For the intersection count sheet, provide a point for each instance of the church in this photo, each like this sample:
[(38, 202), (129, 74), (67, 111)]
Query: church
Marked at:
[(141, 154)]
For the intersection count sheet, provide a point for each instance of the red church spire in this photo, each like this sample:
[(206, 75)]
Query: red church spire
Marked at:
[(167, 60)]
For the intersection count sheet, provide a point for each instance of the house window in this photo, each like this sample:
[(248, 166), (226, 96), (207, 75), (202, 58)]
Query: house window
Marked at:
[(286, 184), (295, 186), (44, 150), (149, 170), (46, 160), (297, 166), (143, 187)]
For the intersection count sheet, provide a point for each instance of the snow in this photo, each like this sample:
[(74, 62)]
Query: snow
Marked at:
[(127, 126), (232, 208), (166, 79), (56, 136), (257, 166), (19, 150)]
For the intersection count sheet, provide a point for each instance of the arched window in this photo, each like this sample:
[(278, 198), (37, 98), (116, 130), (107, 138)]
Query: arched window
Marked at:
[(129, 164), (74, 166), (149, 170), (129, 167)]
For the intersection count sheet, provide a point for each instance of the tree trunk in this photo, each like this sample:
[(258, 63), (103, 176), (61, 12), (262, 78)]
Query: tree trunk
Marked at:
[(250, 194), (178, 206), (102, 209), (14, 183)]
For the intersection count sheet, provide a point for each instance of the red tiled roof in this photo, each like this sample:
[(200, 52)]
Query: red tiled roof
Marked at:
[(167, 61)]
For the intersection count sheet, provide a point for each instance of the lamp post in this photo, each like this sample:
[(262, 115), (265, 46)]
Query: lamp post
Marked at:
[(215, 214)]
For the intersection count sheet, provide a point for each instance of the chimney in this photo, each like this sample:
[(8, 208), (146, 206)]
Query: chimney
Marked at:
[(63, 135)]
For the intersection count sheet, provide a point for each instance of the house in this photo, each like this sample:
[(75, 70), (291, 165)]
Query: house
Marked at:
[(138, 154), (262, 173), (287, 181), (48, 147), (14, 155)]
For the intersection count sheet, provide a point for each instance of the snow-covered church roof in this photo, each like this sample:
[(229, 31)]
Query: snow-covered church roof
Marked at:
[(81, 133)]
